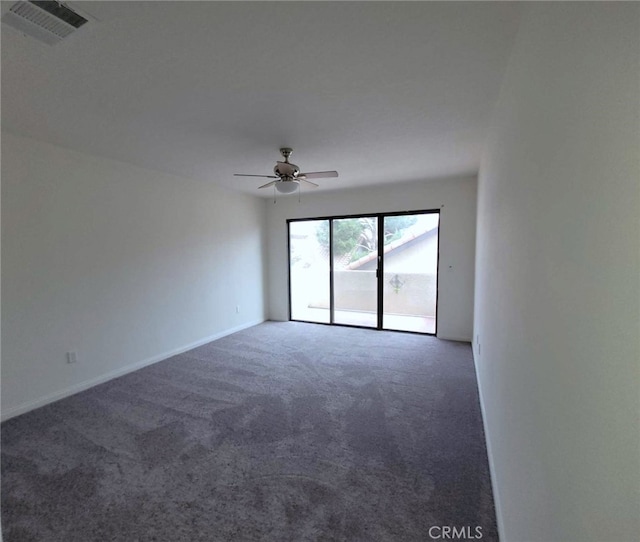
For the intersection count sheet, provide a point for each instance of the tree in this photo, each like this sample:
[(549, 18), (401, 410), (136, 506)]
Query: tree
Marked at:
[(345, 235), (359, 235), (394, 226)]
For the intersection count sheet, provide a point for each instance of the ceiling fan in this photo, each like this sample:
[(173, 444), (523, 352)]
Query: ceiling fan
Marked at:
[(288, 177)]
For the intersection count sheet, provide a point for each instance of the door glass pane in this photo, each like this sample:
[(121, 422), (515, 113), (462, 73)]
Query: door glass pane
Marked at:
[(309, 261), (410, 272), (355, 255)]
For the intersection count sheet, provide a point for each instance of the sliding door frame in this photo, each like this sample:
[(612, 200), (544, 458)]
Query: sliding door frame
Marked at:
[(379, 269), (332, 298)]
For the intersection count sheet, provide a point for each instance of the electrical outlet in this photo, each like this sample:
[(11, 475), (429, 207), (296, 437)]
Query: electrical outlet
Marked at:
[(72, 357), (237, 309)]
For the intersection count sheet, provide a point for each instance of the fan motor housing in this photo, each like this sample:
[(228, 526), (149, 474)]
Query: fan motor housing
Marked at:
[(286, 170)]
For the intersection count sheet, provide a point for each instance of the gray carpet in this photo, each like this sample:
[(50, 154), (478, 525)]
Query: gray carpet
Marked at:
[(285, 432)]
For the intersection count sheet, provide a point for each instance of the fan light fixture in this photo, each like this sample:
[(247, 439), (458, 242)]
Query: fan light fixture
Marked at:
[(287, 187)]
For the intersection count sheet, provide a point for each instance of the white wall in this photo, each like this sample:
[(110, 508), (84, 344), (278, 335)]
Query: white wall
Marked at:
[(557, 278), (456, 199), (121, 264)]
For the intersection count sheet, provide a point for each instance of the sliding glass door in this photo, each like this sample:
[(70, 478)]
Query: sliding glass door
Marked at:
[(410, 277), (378, 271), (309, 277), (355, 290)]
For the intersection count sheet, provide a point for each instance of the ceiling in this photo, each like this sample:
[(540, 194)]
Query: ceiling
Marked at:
[(384, 92)]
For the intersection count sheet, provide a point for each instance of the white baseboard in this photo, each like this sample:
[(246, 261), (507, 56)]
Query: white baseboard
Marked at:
[(492, 471), (71, 390)]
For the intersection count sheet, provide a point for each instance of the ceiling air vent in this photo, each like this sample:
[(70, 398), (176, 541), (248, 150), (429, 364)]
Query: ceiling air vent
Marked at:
[(48, 21)]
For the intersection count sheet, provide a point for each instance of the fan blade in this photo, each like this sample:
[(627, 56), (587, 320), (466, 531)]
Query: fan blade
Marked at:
[(318, 175), (265, 176), (268, 184), (313, 185)]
